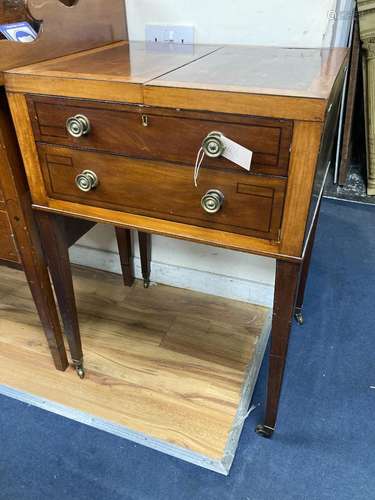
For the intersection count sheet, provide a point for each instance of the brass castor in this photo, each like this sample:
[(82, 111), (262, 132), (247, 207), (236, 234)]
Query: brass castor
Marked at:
[(80, 369), (299, 318), (146, 284), (264, 431)]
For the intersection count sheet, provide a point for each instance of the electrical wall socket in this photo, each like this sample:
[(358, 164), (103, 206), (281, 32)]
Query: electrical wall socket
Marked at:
[(170, 34)]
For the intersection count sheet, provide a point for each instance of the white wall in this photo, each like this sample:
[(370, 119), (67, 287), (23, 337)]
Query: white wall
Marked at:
[(267, 22), (264, 22)]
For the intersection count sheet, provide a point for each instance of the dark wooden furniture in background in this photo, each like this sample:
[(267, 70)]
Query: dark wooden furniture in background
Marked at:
[(350, 112), (19, 237), (12, 11), (281, 103)]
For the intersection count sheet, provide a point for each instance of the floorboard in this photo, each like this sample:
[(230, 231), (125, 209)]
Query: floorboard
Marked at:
[(175, 366)]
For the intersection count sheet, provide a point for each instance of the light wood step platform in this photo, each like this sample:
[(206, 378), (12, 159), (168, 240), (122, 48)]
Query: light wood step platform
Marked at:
[(168, 368)]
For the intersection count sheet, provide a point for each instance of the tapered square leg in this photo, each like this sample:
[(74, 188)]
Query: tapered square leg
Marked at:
[(305, 268), (145, 253), (286, 284), (124, 244), (55, 245)]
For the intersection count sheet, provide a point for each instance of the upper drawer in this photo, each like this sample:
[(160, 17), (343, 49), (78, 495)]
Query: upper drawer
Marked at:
[(160, 134)]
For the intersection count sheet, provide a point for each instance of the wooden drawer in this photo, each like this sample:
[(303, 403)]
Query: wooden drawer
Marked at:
[(253, 204), (7, 247), (170, 135)]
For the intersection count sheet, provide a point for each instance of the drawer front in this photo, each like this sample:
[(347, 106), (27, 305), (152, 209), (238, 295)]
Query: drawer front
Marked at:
[(252, 205), (7, 247), (174, 136)]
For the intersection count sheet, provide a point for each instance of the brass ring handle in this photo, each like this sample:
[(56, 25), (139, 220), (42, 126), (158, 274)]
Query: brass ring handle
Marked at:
[(212, 201), (213, 145), (78, 125), (87, 181)]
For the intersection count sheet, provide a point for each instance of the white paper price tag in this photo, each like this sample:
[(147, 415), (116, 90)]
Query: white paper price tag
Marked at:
[(237, 154)]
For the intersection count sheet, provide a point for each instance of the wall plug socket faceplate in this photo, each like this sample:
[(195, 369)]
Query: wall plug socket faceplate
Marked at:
[(166, 33)]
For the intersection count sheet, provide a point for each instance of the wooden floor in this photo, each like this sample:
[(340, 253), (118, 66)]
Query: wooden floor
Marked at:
[(168, 363)]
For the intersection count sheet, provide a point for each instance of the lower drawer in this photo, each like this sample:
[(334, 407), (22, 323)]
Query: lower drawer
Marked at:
[(253, 205), (7, 247)]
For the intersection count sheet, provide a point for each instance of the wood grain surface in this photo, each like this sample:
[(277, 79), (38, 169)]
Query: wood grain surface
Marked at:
[(170, 135), (303, 161), (26, 235), (131, 62), (297, 72), (67, 77), (253, 204), (265, 81), (200, 77), (113, 72), (165, 362), (66, 28), (22, 125)]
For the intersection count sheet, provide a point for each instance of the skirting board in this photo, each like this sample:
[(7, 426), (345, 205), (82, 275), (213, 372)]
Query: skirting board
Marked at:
[(252, 292)]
